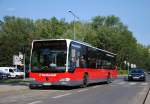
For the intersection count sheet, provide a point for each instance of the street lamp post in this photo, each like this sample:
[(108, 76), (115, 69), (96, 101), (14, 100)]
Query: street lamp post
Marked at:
[(74, 34)]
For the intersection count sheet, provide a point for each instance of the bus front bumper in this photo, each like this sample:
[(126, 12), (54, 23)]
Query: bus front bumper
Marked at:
[(36, 84)]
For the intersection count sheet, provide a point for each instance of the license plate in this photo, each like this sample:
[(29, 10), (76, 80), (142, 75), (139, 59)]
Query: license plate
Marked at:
[(135, 77), (47, 84)]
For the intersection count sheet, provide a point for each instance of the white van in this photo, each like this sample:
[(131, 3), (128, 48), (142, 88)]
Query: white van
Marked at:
[(13, 72)]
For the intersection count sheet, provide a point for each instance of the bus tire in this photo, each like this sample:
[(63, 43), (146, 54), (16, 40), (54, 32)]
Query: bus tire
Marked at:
[(85, 81), (32, 86)]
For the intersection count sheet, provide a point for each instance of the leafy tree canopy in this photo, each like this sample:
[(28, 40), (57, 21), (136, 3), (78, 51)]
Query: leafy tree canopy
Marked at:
[(106, 32)]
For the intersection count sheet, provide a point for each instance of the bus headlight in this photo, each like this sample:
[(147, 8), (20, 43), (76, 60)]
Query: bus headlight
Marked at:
[(142, 75), (65, 79)]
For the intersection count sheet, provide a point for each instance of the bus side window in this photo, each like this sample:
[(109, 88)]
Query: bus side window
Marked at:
[(83, 63), (98, 60), (74, 57), (98, 63), (107, 64), (78, 59), (92, 57), (83, 57)]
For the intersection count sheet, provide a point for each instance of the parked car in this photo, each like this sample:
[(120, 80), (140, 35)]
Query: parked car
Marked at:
[(136, 74), (4, 75), (14, 73), (21, 69)]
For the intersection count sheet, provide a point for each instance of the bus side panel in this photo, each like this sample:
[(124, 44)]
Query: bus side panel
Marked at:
[(92, 73)]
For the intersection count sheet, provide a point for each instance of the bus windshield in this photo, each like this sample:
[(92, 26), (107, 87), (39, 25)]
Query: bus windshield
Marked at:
[(49, 56)]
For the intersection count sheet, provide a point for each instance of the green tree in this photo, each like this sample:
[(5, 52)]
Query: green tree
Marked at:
[(15, 33), (105, 32)]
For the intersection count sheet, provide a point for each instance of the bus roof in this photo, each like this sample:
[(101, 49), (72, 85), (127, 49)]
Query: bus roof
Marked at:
[(83, 43)]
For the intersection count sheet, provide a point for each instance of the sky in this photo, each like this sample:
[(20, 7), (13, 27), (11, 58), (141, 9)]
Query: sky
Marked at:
[(133, 13)]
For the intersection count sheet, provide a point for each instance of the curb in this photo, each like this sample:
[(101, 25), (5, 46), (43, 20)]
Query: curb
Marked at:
[(140, 97), (147, 101)]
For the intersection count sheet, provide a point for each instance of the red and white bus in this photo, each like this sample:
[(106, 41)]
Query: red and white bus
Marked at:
[(70, 63)]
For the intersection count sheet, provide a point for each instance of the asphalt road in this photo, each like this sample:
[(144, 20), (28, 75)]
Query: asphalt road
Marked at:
[(117, 92)]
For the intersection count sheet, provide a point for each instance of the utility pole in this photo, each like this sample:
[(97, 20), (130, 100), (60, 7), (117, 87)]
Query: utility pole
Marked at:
[(24, 66)]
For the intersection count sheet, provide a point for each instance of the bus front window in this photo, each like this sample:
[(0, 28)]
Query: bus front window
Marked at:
[(49, 56)]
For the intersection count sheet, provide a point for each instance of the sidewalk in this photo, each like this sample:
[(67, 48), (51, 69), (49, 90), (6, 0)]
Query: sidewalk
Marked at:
[(148, 98), (8, 88), (14, 85)]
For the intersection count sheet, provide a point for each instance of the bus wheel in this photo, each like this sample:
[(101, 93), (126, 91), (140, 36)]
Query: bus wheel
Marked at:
[(31, 86), (85, 81), (109, 79)]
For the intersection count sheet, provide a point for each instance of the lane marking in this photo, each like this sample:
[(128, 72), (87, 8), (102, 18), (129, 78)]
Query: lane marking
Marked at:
[(83, 90), (132, 83), (144, 84), (113, 85), (35, 102), (121, 83), (141, 86), (95, 86), (59, 96), (116, 81)]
